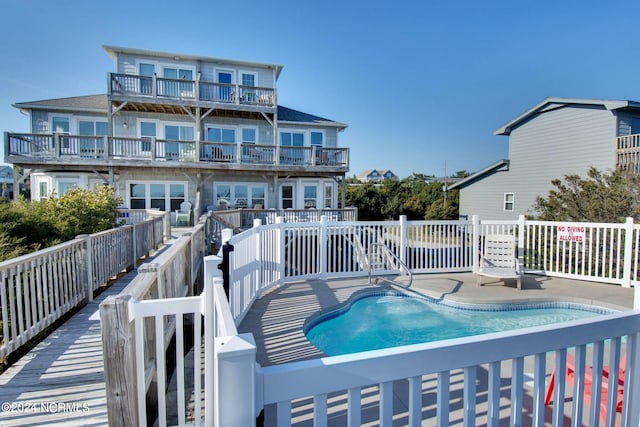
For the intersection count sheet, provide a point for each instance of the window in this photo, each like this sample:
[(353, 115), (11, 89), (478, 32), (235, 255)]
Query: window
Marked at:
[(157, 192), (508, 201), (43, 190), (137, 199), (147, 131), (91, 147), (317, 139), (146, 78), (64, 186), (257, 195), (248, 135), (225, 92), (310, 196), (157, 195), (287, 197), (176, 196), (328, 195), (240, 195), (89, 127), (223, 192), (176, 133), (635, 125), (215, 134), (292, 139), (59, 124), (172, 88), (248, 79)]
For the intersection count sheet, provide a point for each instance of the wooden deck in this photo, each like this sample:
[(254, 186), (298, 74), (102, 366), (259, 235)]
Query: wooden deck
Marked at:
[(61, 381)]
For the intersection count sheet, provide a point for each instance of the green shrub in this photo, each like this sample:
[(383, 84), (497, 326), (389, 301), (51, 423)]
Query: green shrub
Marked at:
[(28, 226)]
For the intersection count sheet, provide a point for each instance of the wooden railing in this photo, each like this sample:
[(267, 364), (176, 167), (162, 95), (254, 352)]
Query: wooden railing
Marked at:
[(139, 325), (628, 153), (60, 146), (197, 90), (39, 288)]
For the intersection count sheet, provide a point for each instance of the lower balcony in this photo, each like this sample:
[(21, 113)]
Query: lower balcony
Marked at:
[(56, 148)]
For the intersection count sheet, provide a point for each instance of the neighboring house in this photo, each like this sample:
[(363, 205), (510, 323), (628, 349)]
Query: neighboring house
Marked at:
[(174, 128), (376, 176), (557, 137)]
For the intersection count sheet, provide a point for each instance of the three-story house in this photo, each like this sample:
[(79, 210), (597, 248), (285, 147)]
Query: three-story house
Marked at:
[(174, 128)]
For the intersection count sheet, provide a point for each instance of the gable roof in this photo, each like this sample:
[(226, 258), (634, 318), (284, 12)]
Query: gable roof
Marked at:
[(289, 115), (500, 165), (553, 103), (99, 104), (87, 103)]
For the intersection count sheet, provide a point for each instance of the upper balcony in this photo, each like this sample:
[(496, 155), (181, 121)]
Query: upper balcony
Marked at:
[(62, 149), (160, 90)]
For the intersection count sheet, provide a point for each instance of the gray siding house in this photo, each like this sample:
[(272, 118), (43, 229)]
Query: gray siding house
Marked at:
[(557, 137), (173, 128)]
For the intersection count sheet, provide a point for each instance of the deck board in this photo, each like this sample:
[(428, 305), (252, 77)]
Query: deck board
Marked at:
[(61, 380)]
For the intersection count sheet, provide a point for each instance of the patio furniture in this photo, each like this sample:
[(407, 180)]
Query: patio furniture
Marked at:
[(499, 259), (183, 215), (588, 381)]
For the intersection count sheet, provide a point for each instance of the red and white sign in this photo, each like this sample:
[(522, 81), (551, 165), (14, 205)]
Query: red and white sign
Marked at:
[(571, 233)]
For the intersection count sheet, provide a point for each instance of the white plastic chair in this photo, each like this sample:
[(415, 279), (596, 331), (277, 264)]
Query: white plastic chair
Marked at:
[(183, 215), (499, 258)]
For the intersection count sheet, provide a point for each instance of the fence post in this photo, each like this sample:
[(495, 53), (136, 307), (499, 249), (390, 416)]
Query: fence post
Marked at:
[(134, 246), (280, 240), (235, 381), (257, 223), (211, 271), (403, 239), (628, 253), (167, 226), (323, 245), (522, 229), (475, 220), (119, 361), (87, 265)]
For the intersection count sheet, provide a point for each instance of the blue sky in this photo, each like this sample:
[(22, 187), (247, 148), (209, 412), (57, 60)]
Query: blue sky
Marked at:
[(419, 83)]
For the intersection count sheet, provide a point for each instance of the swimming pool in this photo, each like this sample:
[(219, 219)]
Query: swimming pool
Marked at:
[(390, 319)]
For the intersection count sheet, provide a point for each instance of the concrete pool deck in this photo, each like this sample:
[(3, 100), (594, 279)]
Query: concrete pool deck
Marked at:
[(277, 320)]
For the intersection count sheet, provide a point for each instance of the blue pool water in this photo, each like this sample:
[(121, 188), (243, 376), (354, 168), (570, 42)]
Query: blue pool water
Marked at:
[(381, 321)]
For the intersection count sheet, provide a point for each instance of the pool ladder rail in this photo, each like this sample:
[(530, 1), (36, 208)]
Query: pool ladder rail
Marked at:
[(384, 259)]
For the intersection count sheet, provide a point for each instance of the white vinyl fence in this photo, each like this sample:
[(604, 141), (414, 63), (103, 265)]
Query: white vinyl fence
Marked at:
[(237, 388)]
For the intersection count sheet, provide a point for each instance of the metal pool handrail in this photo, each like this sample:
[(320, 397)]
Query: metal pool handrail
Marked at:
[(403, 266)]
